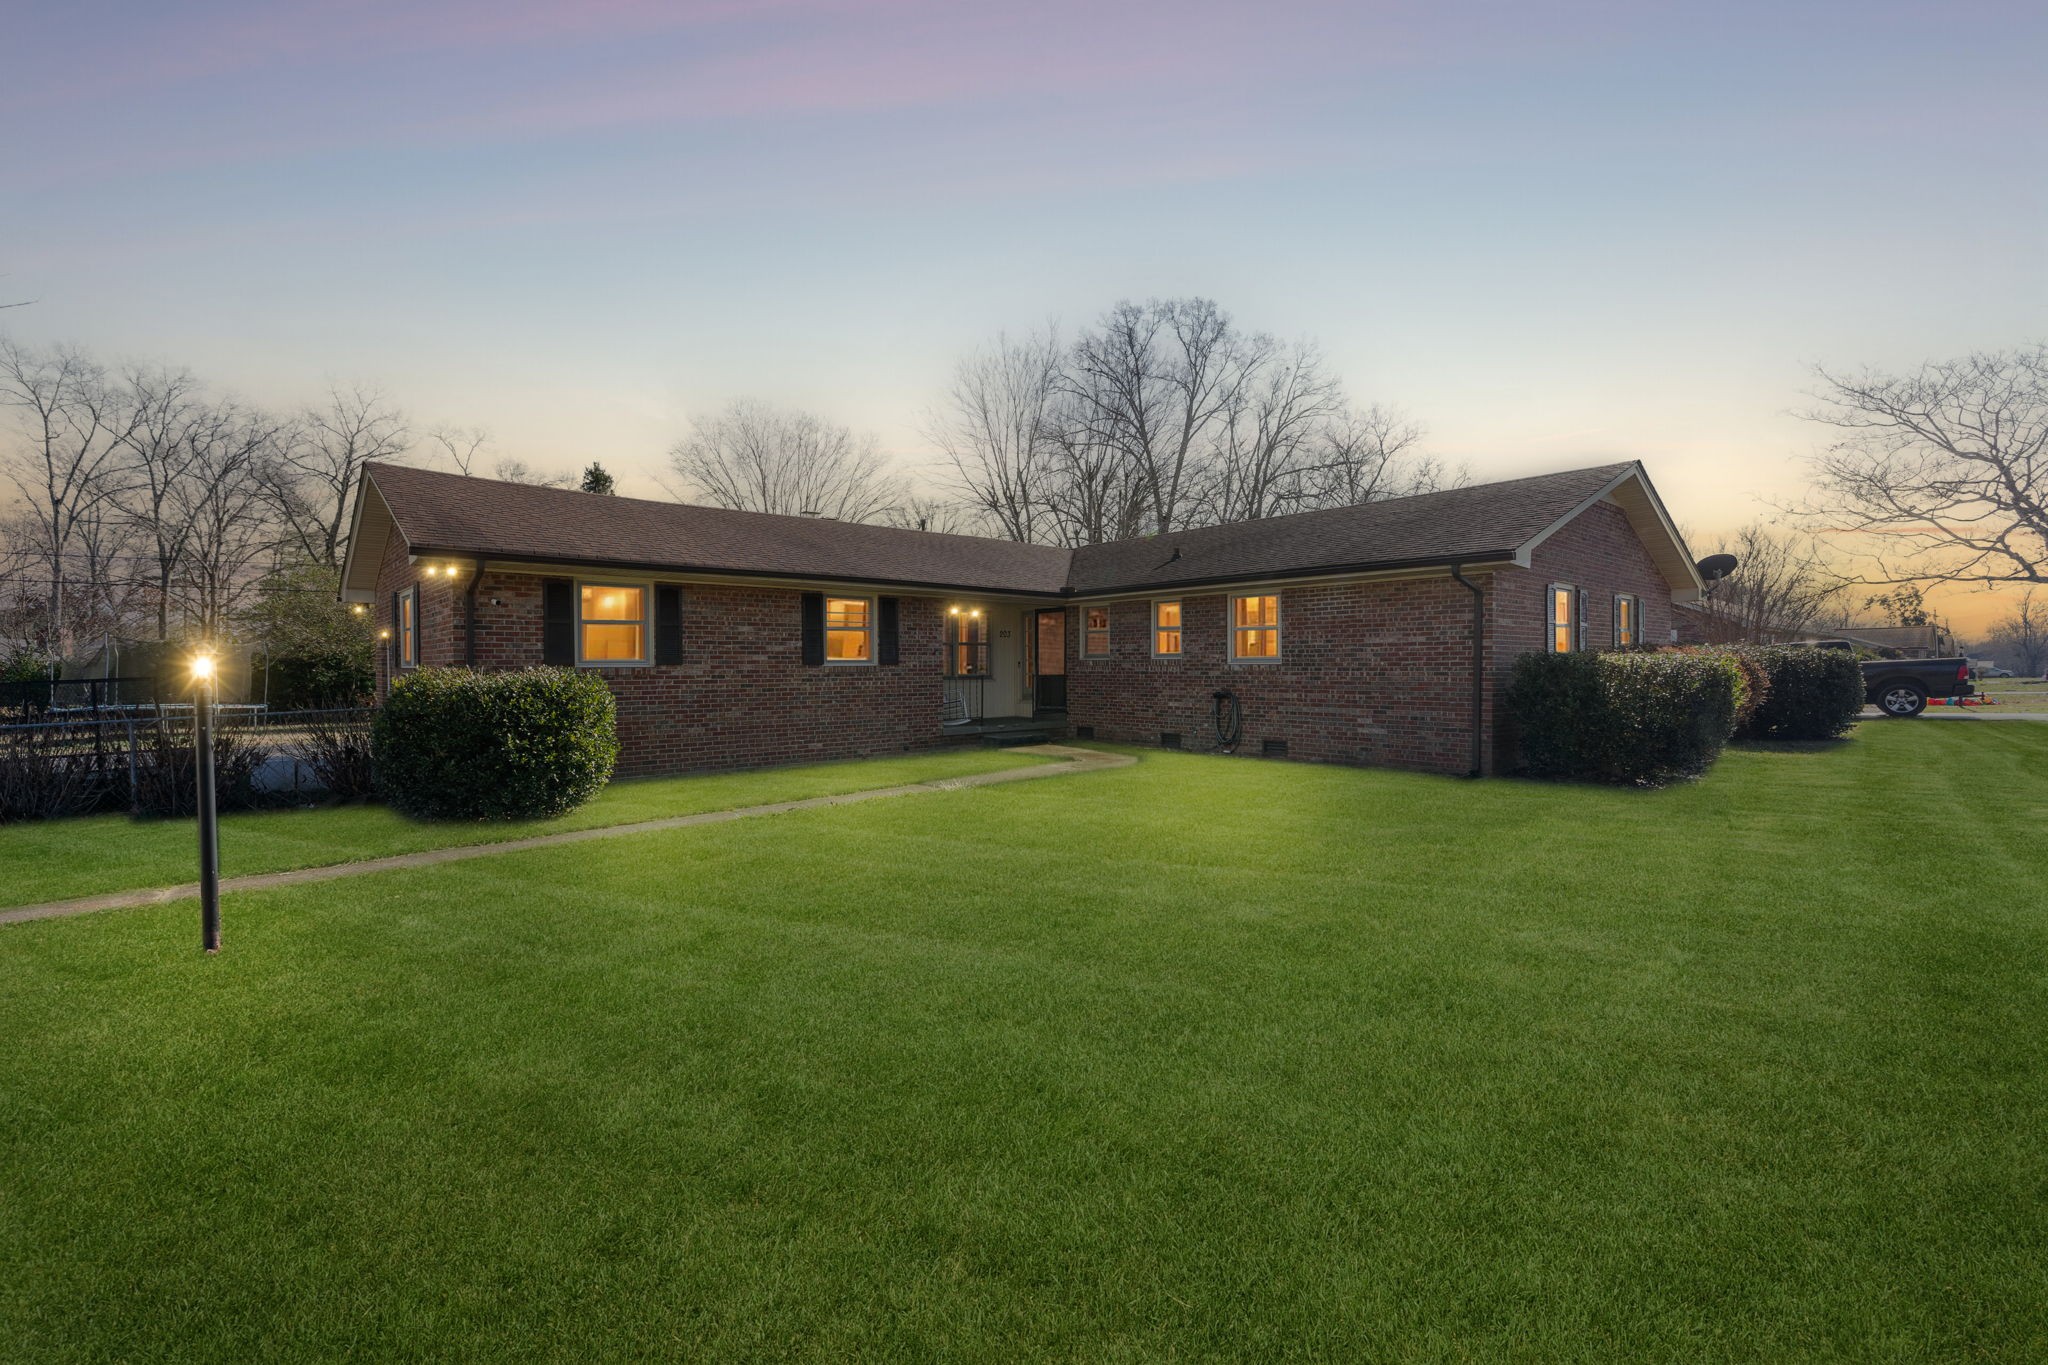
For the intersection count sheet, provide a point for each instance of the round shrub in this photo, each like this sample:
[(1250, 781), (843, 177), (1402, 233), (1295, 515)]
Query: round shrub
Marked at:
[(449, 744), (1813, 693), (1753, 679), (1630, 718)]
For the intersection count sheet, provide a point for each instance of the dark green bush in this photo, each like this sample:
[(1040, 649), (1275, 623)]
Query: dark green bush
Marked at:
[(1753, 679), (1813, 693), (450, 744), (1632, 718)]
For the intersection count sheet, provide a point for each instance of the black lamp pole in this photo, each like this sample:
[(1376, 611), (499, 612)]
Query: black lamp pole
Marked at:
[(209, 820)]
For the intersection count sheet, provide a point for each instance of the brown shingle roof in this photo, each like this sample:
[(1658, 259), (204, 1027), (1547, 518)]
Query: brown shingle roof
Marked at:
[(1486, 521), (440, 513), (449, 514)]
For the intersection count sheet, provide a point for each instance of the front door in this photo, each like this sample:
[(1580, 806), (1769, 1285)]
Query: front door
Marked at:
[(1049, 661)]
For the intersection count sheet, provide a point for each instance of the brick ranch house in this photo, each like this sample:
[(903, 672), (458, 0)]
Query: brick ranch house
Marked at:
[(1378, 634)]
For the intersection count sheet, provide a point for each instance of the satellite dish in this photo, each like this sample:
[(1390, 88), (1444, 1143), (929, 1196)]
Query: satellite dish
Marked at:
[(1714, 568)]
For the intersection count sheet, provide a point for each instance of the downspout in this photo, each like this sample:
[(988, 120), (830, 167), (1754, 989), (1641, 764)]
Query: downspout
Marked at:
[(1478, 667), (476, 580)]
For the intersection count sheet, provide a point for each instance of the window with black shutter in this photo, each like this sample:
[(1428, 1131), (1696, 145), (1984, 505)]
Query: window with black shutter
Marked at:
[(558, 621), (814, 628), (887, 612), (668, 623)]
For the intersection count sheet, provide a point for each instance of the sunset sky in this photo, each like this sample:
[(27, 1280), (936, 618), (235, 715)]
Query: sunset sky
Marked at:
[(1554, 233)]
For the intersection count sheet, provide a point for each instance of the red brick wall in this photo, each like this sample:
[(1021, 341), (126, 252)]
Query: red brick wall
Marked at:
[(1598, 552), (741, 698), (1375, 673), (1370, 673)]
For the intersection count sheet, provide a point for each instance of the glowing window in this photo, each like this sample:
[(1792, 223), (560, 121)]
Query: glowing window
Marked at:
[(1166, 629), (966, 643), (1255, 627), (849, 630), (612, 623), (409, 628), (1628, 620), (1564, 618), (1095, 638)]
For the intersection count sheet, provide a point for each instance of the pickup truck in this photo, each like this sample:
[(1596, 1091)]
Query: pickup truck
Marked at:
[(1900, 687)]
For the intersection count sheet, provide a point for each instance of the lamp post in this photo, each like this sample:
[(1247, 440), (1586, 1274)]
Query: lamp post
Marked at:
[(209, 820)]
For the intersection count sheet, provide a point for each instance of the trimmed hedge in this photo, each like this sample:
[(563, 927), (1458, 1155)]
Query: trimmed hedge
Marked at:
[(1813, 693), (1627, 718), (449, 744)]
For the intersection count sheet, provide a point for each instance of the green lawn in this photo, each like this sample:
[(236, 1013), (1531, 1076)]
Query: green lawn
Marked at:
[(1201, 1059), (2017, 694), (60, 859)]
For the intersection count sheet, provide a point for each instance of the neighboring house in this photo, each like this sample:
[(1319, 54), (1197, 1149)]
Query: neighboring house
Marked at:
[(1378, 634)]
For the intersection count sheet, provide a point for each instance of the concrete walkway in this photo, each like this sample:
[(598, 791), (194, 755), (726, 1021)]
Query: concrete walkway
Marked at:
[(1963, 713), (1068, 761)]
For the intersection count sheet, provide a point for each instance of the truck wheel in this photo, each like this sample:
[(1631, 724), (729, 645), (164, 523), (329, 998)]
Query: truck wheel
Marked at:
[(1902, 700)]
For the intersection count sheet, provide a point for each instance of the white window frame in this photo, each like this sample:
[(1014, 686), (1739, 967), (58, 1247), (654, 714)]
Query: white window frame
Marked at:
[(1279, 638), (826, 640), (646, 659), (1181, 630), (1087, 631), (1551, 623), (955, 620), (1635, 613)]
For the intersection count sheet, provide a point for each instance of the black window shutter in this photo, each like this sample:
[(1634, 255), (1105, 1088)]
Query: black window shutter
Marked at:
[(814, 628), (557, 621), (668, 623), (886, 651), (397, 627)]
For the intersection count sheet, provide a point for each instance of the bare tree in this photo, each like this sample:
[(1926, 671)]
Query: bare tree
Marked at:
[(1150, 382), (994, 429), (227, 506), (1093, 494), (1780, 587), (2021, 638), (1164, 414), (323, 454), (164, 404), (460, 446), (1270, 445), (948, 516), (1368, 455), (519, 471), (1942, 473), (67, 464), (758, 458)]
